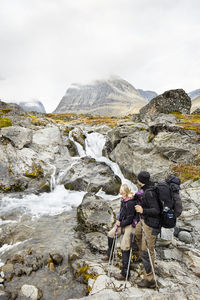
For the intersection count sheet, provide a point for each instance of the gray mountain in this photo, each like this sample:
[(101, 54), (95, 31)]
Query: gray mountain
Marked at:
[(194, 94), (148, 95), (33, 105), (195, 104), (112, 97)]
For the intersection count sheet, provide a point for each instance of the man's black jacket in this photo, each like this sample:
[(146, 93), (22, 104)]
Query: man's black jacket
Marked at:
[(151, 207)]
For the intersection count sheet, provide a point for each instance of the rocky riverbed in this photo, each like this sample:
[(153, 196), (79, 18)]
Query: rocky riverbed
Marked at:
[(59, 197)]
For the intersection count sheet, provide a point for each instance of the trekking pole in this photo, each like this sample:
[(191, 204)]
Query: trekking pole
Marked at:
[(152, 267), (111, 258)]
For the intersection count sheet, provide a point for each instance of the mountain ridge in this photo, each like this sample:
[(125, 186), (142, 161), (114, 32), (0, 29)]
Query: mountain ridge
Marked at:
[(114, 96)]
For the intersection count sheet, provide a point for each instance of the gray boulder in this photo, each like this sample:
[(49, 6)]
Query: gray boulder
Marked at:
[(176, 147), (89, 175), (134, 154), (169, 101), (95, 214), (19, 136), (185, 237)]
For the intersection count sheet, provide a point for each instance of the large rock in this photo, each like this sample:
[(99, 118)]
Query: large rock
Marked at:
[(134, 154), (94, 214), (19, 136), (89, 175), (115, 135), (169, 101), (177, 147)]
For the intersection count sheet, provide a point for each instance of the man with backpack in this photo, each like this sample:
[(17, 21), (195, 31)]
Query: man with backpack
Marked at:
[(160, 207), (147, 229)]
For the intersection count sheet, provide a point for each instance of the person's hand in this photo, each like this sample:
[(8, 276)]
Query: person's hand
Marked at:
[(139, 209), (117, 223)]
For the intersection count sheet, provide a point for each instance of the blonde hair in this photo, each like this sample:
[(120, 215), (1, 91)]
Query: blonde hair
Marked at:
[(125, 190)]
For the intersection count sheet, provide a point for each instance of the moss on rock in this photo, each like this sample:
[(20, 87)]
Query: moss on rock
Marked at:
[(5, 122), (186, 172)]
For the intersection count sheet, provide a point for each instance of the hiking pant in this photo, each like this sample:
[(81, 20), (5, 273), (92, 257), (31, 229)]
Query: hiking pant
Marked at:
[(150, 234), (126, 239)]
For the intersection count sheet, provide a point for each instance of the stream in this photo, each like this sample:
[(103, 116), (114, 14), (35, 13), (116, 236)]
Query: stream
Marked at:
[(47, 221)]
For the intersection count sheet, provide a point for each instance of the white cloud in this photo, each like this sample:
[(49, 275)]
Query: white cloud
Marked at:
[(47, 45)]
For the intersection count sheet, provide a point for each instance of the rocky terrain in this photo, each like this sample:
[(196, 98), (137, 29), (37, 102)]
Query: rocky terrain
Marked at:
[(53, 252), (113, 97)]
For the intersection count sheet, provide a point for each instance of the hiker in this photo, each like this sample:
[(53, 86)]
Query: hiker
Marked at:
[(124, 225), (149, 211)]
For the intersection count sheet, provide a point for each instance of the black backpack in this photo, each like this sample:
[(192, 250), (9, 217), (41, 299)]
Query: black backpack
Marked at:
[(169, 201)]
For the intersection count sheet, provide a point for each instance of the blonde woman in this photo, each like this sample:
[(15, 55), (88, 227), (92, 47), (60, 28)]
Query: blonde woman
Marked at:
[(125, 224)]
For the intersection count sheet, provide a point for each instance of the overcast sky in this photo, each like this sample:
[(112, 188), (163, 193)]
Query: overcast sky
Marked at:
[(45, 45)]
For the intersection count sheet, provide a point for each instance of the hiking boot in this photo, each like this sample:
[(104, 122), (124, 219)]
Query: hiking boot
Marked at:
[(146, 284), (119, 276)]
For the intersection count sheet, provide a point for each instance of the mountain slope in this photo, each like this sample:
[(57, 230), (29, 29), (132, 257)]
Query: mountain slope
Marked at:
[(113, 97), (148, 95), (194, 94), (33, 105), (195, 104)]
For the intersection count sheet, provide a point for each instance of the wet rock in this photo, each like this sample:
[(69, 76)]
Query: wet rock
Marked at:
[(78, 136), (94, 214), (14, 233), (71, 148), (31, 292), (169, 101), (89, 175), (185, 237)]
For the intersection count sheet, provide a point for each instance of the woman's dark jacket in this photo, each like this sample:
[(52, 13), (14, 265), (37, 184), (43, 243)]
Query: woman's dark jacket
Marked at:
[(127, 213), (150, 205)]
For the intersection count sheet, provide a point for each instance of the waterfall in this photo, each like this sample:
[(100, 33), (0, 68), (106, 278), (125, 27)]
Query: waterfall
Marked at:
[(53, 179), (94, 146), (60, 199)]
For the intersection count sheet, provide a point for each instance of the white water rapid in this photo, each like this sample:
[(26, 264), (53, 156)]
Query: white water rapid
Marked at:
[(60, 199)]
